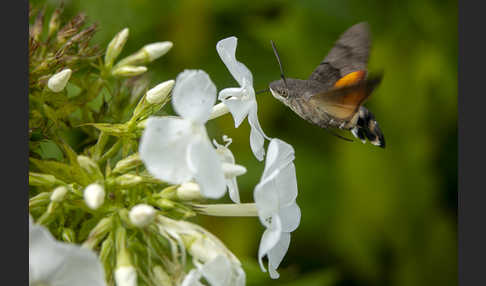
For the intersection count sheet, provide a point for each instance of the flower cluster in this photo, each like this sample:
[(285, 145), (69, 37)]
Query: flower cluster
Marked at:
[(113, 209), (178, 150)]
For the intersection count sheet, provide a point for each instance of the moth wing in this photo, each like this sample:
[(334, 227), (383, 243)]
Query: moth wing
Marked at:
[(343, 102), (350, 53)]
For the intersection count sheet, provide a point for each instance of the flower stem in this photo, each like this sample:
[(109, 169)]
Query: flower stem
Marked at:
[(249, 209)]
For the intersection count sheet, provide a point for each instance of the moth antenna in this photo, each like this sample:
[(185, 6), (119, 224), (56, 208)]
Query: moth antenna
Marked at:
[(262, 91), (338, 136), (282, 75)]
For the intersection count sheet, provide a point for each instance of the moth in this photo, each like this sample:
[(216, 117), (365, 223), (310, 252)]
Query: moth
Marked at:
[(335, 92)]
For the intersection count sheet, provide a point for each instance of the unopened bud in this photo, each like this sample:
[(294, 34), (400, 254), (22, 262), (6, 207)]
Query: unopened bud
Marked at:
[(58, 194), (189, 192), (127, 164), (146, 54), (159, 93), (128, 180), (115, 47), (54, 22), (142, 215), (90, 167), (129, 71), (233, 170), (126, 276), (156, 50), (94, 196), (57, 82), (68, 235), (43, 180), (218, 110)]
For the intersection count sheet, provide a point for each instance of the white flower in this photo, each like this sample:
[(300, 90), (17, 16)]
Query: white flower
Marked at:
[(57, 82), (219, 271), (177, 150), (142, 215), (158, 93), (230, 169), (241, 101), (275, 197), (126, 276), (212, 259), (94, 196), (56, 263)]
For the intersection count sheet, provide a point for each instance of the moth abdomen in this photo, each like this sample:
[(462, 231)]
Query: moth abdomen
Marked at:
[(368, 128)]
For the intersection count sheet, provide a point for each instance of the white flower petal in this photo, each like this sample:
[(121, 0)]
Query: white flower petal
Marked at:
[(286, 185), (257, 137), (269, 239), (217, 271), (290, 217), (233, 190), (227, 49), (192, 278), (277, 253), (238, 106), (163, 148), (42, 245), (194, 95), (206, 166), (279, 155), (266, 196), (56, 263)]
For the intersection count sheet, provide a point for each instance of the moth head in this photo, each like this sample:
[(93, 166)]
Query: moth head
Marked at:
[(279, 90)]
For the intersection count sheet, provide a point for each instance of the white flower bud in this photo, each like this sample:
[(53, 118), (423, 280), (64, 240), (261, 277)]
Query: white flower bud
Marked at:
[(115, 47), (129, 71), (58, 81), (94, 196), (156, 50), (233, 170), (142, 215), (159, 93), (126, 276), (189, 191), (91, 168), (218, 110), (58, 194)]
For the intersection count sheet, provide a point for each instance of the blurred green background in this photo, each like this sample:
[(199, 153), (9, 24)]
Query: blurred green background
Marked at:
[(369, 216)]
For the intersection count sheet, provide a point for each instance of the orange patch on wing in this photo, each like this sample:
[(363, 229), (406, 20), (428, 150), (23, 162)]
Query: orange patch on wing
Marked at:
[(350, 79)]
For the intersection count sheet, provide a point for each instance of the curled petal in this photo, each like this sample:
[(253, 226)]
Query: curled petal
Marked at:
[(227, 49), (290, 217), (206, 166), (163, 148), (257, 137), (233, 190), (286, 185), (217, 271), (270, 238), (194, 95), (266, 197), (279, 155), (238, 105), (277, 253)]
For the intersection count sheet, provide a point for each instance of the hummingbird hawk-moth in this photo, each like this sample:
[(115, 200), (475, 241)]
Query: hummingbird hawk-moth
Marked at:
[(334, 94)]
